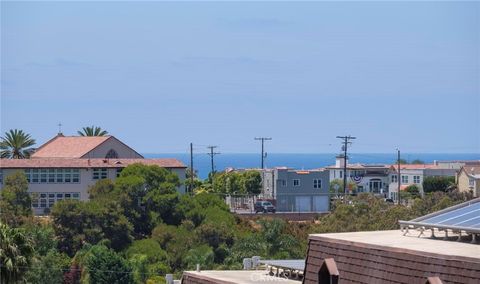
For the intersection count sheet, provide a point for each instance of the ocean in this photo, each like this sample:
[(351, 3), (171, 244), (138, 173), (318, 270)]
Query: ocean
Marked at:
[(201, 161)]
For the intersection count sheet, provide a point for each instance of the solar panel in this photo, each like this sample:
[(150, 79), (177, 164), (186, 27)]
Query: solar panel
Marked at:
[(463, 217)]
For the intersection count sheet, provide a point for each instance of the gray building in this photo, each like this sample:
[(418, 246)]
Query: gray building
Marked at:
[(301, 190)]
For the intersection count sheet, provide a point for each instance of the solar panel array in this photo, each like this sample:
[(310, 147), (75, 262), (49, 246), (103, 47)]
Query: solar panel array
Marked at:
[(463, 217)]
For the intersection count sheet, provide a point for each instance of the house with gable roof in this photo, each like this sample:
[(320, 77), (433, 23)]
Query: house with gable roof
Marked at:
[(66, 166)]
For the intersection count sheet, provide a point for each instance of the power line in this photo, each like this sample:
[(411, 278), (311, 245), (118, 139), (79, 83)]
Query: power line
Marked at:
[(264, 155), (212, 154), (346, 141)]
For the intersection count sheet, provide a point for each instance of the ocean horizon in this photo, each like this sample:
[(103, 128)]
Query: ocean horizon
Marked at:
[(201, 161)]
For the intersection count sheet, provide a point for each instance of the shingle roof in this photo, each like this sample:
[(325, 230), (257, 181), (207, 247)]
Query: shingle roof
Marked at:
[(85, 163), (69, 146)]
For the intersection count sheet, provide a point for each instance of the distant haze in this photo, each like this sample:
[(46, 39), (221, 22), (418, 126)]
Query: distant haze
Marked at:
[(159, 75)]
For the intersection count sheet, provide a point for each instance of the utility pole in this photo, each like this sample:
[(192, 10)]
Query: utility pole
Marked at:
[(263, 139), (191, 168), (346, 141), (398, 175), (212, 154)]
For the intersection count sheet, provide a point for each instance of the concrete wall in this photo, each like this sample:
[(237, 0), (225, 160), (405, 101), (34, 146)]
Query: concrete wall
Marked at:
[(122, 150)]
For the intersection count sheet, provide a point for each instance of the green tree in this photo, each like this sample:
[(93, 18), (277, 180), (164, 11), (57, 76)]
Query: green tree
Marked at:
[(49, 268), (16, 251), (15, 144), (413, 191), (15, 203), (336, 186), (252, 182), (101, 189), (155, 191), (417, 162), (437, 183), (402, 161), (104, 266), (148, 247), (92, 131), (202, 255), (78, 222)]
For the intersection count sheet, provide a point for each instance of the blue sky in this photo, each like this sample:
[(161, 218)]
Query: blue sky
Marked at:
[(161, 75)]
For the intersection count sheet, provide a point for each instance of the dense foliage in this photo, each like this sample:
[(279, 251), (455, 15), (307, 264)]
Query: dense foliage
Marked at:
[(137, 228), (15, 202), (16, 144), (440, 183)]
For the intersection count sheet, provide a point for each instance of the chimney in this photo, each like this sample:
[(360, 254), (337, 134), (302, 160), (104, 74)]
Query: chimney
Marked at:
[(339, 161)]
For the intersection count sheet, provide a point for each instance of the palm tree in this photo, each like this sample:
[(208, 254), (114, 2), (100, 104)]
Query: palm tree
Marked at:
[(92, 131), (15, 144), (16, 250)]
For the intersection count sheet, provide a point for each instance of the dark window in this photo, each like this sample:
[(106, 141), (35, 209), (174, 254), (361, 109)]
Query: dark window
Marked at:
[(112, 154)]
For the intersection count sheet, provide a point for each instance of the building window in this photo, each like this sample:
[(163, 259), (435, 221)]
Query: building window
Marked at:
[(1, 176), (394, 178), (43, 176), (48, 199), (51, 176), (341, 174), (59, 176), (35, 175), (416, 179), (317, 183), (119, 171), (471, 182), (296, 182), (100, 173), (282, 182), (75, 175), (404, 179), (112, 154)]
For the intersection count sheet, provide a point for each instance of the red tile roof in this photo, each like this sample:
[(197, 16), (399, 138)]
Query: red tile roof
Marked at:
[(85, 163), (69, 146)]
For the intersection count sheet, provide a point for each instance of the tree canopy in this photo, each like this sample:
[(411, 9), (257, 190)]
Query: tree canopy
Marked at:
[(92, 131), (15, 202), (16, 249), (16, 144)]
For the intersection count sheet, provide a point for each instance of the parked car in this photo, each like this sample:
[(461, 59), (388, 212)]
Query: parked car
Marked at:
[(264, 206)]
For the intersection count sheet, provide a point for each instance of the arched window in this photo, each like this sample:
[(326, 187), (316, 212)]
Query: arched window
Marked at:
[(112, 154)]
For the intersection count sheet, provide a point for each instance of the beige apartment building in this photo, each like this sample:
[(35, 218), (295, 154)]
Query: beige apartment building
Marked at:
[(66, 166), (468, 179)]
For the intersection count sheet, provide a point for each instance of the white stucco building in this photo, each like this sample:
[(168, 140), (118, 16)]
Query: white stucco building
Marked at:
[(66, 166), (414, 174), (368, 177)]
